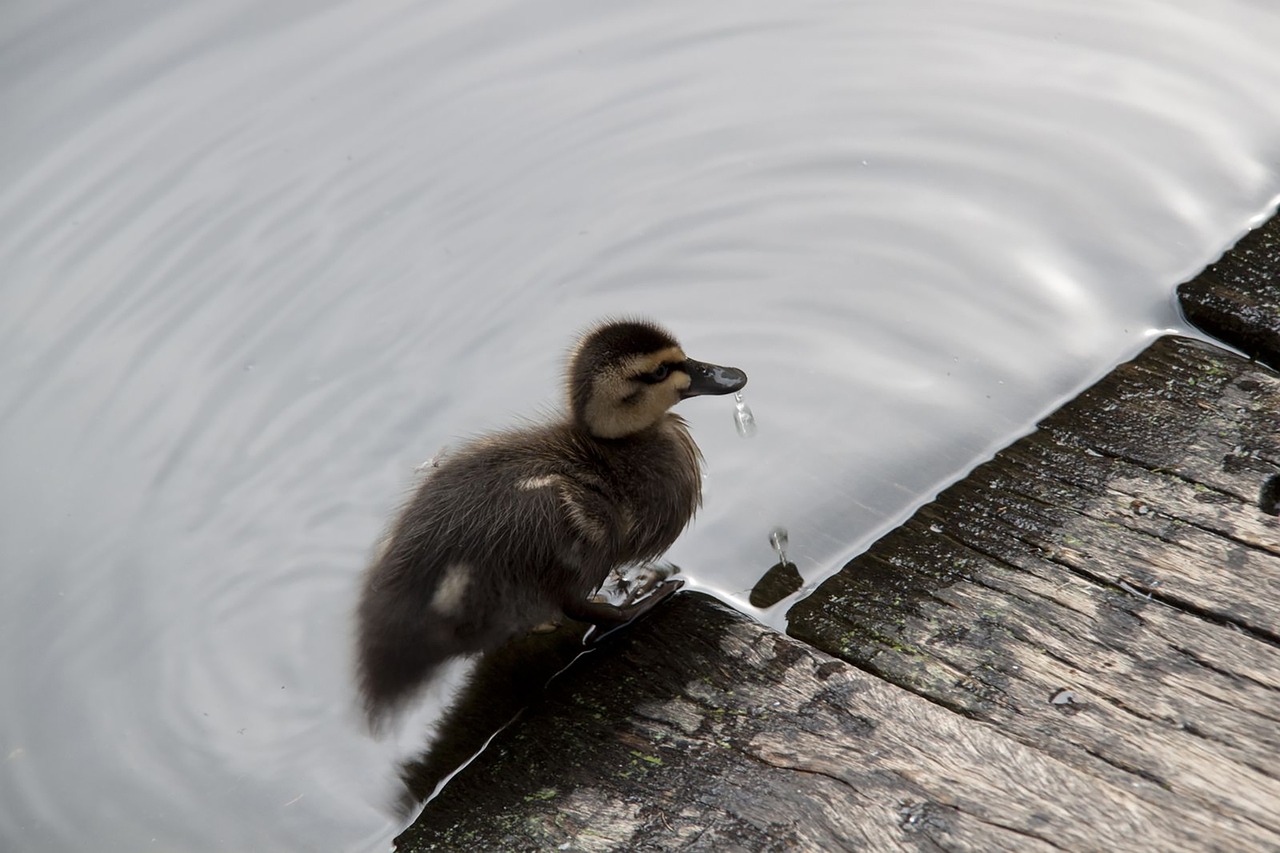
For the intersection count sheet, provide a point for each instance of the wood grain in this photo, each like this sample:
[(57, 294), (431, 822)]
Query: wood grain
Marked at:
[(1120, 553), (736, 738), (1237, 298)]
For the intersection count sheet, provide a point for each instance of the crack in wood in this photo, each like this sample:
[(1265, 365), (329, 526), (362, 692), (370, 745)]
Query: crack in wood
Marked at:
[(1168, 599), (1234, 676)]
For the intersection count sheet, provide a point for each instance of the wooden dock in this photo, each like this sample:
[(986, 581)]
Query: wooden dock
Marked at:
[(1075, 647)]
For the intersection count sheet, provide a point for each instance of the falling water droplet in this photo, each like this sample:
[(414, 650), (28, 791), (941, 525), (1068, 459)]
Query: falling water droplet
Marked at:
[(778, 540), (743, 419)]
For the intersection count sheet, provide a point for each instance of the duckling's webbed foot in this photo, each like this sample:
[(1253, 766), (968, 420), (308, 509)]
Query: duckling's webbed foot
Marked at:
[(649, 576), (625, 585), (605, 614)]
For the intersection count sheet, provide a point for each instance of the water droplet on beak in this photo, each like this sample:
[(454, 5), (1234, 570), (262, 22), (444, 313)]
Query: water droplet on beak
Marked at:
[(743, 420)]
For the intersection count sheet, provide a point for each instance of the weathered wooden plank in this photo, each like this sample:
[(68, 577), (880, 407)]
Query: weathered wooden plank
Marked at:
[(1237, 299), (1122, 553), (702, 730)]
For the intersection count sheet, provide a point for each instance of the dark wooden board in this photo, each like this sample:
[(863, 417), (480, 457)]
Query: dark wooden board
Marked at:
[(1119, 552), (1237, 298), (703, 730)]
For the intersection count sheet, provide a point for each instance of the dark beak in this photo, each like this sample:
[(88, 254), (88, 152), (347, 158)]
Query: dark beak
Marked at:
[(712, 379)]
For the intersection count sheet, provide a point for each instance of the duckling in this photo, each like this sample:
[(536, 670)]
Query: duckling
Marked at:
[(518, 528)]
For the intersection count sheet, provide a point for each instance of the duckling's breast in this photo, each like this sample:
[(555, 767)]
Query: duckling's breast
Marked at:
[(658, 488)]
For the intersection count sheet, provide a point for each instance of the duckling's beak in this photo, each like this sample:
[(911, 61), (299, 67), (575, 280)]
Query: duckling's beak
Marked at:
[(711, 379)]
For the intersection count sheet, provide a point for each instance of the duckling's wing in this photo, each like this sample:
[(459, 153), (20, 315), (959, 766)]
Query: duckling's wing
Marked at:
[(578, 524), (496, 540)]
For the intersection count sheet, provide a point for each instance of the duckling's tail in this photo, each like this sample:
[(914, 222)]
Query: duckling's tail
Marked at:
[(395, 650)]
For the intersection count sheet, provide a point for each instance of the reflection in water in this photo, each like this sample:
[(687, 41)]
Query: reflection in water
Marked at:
[(504, 683), (259, 260), (781, 580)]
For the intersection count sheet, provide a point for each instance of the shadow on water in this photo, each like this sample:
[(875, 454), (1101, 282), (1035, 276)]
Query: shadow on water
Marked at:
[(504, 683)]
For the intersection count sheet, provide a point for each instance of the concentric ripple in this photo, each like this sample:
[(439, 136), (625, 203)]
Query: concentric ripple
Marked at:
[(258, 261)]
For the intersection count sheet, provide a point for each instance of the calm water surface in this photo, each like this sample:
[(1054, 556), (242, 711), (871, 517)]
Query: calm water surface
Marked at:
[(258, 260)]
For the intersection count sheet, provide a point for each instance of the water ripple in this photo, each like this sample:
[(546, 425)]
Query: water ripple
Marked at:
[(260, 261)]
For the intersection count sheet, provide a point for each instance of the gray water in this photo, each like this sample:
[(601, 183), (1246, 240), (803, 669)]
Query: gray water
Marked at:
[(259, 260)]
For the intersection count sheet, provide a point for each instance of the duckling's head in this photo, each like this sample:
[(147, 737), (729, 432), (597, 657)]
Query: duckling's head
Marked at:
[(625, 375)]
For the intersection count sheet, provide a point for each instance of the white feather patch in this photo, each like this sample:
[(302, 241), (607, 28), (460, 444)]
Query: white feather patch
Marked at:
[(532, 483), (448, 595)]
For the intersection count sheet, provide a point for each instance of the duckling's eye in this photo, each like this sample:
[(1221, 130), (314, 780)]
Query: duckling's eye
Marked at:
[(659, 373)]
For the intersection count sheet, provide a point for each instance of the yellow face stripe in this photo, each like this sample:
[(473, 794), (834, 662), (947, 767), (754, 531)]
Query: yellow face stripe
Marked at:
[(650, 361), (620, 405)]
